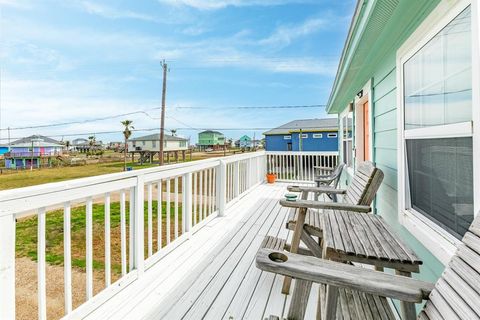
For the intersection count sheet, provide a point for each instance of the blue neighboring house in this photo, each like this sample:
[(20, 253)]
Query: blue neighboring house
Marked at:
[(3, 150), (304, 135)]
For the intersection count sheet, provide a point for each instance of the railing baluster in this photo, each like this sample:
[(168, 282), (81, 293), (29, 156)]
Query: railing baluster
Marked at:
[(205, 192), (107, 241), (221, 197), (123, 233), (168, 211), (176, 208), (210, 193), (195, 198), (67, 254), (7, 267), (200, 213), (214, 204), (89, 248), (131, 229), (149, 220), (184, 203), (41, 265), (139, 226), (159, 215), (187, 203)]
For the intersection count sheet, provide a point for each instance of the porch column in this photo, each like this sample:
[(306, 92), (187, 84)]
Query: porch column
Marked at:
[(7, 267)]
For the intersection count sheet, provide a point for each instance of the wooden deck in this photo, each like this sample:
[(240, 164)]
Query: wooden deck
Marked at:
[(213, 275)]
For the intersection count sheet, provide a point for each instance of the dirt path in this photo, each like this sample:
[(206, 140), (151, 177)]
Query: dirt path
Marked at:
[(26, 289)]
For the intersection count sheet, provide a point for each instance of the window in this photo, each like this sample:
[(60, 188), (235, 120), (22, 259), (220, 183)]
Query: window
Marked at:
[(287, 137), (304, 135), (346, 126), (154, 144), (183, 144), (437, 114), (144, 143), (317, 136), (331, 135)]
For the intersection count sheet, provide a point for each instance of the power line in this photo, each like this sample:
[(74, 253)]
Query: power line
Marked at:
[(268, 107), (178, 128), (145, 112)]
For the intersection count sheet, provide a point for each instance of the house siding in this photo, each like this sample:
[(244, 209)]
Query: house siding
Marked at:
[(384, 97), (278, 143)]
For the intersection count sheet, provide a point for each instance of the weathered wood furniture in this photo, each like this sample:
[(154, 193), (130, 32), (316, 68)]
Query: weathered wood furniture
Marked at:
[(307, 223), (366, 238), (454, 296), (332, 179)]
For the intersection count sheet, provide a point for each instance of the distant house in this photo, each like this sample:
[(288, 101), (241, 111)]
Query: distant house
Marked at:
[(3, 150), (32, 151), (245, 142), (211, 139), (83, 145), (304, 135), (152, 143)]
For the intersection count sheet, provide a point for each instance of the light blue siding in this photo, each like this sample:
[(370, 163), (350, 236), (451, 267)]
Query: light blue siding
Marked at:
[(385, 157)]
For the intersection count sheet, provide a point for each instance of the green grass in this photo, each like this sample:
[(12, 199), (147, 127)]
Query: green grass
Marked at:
[(26, 243), (29, 178)]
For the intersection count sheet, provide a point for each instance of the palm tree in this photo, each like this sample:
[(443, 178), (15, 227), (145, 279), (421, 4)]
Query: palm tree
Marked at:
[(127, 124), (91, 143)]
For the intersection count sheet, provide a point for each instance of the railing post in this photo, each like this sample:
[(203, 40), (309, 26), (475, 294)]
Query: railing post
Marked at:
[(139, 225), (236, 180), (221, 188), (187, 202), (7, 267)]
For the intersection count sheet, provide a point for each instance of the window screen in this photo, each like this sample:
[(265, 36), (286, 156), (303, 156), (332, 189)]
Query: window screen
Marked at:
[(440, 174)]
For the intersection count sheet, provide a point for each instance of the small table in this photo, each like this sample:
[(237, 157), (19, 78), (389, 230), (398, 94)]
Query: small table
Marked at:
[(367, 238)]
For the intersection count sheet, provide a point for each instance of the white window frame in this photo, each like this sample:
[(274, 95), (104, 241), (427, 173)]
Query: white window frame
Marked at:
[(317, 135), (437, 240), (287, 137), (332, 135), (343, 116), (304, 136)]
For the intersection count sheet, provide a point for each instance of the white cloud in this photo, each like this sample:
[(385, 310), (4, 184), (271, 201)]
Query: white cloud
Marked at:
[(113, 13), (286, 34), (219, 4)]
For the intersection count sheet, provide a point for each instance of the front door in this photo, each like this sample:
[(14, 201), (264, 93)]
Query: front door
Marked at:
[(366, 131), (289, 146)]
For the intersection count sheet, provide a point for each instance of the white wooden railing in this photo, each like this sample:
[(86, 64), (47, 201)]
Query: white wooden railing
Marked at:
[(196, 192), (299, 166)]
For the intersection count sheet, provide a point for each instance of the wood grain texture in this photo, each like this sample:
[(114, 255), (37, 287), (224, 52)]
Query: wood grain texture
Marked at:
[(346, 276)]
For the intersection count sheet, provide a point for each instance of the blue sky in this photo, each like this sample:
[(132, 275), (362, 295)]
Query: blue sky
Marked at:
[(64, 61)]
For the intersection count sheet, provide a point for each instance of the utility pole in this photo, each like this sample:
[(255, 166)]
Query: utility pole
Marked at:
[(162, 118)]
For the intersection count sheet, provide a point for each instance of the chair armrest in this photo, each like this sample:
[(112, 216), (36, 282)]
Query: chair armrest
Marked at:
[(343, 275), (328, 190), (323, 168), (324, 205)]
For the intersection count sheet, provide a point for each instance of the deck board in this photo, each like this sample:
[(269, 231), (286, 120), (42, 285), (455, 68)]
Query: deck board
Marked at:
[(213, 274)]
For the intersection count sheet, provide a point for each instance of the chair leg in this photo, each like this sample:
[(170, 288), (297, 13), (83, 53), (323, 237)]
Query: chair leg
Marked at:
[(298, 305)]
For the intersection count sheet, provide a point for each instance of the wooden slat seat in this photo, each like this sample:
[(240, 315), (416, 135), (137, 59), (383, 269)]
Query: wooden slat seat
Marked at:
[(365, 238), (274, 243), (356, 305)]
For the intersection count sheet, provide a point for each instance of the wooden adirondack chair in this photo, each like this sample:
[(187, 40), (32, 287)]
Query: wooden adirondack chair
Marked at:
[(332, 179), (357, 197), (359, 293)]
